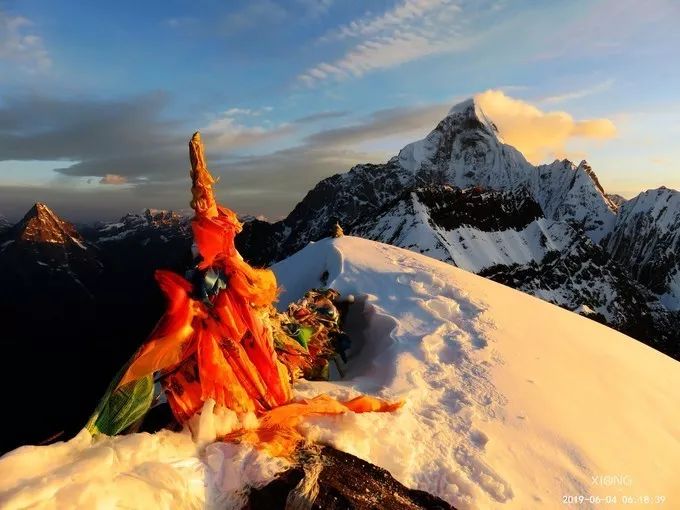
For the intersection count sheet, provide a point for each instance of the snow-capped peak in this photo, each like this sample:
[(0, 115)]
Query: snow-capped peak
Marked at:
[(463, 106), (42, 225), (646, 238), (456, 146), (471, 109)]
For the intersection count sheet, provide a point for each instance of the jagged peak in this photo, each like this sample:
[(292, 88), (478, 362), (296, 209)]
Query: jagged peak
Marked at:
[(655, 198), (41, 224), (470, 109), (662, 190), (468, 106), (588, 170), (585, 165), (41, 211)]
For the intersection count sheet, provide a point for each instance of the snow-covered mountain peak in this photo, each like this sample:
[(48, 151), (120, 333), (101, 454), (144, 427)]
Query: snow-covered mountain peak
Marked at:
[(151, 223), (463, 107), (470, 109), (464, 150), (585, 167), (660, 206), (646, 238)]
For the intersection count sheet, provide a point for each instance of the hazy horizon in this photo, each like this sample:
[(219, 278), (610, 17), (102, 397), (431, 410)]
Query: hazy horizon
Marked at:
[(97, 102)]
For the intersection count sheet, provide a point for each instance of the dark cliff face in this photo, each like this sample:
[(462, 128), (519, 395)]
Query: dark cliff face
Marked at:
[(586, 275), (486, 210), (646, 239), (340, 198)]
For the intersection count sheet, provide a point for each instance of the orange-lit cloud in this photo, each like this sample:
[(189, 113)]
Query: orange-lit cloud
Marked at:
[(113, 179), (539, 135)]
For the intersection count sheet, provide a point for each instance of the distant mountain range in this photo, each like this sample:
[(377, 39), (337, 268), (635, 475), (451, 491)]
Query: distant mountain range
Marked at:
[(463, 196), (86, 298)]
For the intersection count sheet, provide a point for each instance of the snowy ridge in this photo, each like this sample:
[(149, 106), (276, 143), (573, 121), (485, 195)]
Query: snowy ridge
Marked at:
[(151, 223), (573, 194), (502, 410), (646, 238), (474, 251), (504, 236)]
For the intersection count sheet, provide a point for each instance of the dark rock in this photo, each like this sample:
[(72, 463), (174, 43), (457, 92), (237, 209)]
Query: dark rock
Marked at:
[(345, 482)]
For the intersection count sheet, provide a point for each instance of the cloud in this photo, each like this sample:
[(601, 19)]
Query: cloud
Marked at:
[(132, 135), (578, 94), (129, 135), (405, 12), (412, 30), (414, 121), (180, 22), (114, 179), (315, 117), (225, 132), (615, 26), (20, 44), (538, 134)]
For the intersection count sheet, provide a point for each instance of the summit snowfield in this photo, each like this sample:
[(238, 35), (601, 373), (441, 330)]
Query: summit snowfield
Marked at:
[(511, 402)]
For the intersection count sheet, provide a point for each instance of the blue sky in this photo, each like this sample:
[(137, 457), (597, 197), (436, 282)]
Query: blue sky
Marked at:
[(97, 99)]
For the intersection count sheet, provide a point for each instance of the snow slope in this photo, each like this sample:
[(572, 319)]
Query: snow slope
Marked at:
[(504, 236), (510, 403), (165, 470)]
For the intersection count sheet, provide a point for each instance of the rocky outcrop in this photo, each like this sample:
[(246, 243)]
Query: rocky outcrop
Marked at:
[(646, 240), (328, 479)]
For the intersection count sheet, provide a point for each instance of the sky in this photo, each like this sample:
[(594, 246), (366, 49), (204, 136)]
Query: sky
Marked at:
[(99, 99)]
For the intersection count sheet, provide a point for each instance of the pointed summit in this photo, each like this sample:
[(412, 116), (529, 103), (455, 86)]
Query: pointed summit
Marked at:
[(42, 225), (471, 110), (465, 150), (468, 107)]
